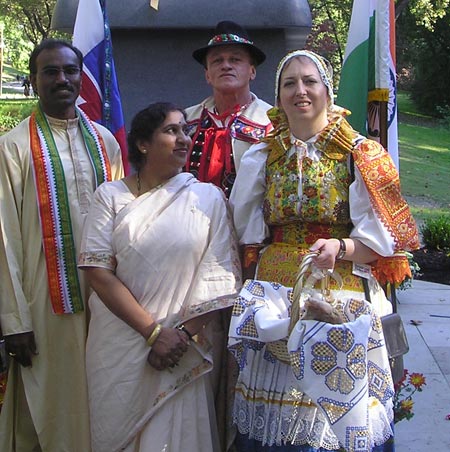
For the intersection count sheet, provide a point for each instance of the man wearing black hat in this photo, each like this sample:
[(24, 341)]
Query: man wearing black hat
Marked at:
[(227, 123)]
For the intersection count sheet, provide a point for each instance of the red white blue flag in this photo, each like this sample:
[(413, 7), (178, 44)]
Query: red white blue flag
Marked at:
[(99, 96)]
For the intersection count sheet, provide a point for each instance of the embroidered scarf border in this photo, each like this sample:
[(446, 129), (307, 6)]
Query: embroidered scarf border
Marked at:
[(54, 211), (383, 184)]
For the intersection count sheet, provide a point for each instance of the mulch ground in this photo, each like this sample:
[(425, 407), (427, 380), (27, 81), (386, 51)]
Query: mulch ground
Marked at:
[(434, 265)]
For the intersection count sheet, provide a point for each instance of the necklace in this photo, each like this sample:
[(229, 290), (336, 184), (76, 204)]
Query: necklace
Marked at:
[(138, 182)]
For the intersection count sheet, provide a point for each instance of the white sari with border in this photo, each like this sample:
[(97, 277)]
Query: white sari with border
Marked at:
[(175, 249)]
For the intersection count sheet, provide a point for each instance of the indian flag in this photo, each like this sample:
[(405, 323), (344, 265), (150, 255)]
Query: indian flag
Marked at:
[(368, 72)]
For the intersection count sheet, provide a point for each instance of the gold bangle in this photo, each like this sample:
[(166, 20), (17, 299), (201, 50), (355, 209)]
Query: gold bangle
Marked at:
[(155, 333)]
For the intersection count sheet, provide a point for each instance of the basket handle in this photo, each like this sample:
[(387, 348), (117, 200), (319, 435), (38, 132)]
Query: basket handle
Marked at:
[(317, 274)]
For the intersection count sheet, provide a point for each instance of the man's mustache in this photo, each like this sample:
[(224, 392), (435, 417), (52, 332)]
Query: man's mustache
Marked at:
[(64, 87)]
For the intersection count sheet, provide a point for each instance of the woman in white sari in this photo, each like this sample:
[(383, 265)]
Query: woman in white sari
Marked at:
[(161, 256)]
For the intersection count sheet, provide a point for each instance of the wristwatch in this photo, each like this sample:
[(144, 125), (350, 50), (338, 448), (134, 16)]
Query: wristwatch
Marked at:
[(183, 328), (342, 249)]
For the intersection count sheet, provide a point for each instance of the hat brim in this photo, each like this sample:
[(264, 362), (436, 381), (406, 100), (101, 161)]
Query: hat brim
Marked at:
[(258, 55)]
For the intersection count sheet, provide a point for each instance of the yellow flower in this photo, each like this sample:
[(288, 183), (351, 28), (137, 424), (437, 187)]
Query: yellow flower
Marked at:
[(403, 404), (417, 380), (407, 404)]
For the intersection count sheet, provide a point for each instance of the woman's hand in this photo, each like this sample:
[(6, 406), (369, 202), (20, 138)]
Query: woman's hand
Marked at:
[(328, 250), (169, 347), (156, 362), (354, 251)]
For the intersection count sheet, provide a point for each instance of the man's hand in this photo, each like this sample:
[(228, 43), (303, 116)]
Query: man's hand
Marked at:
[(21, 347)]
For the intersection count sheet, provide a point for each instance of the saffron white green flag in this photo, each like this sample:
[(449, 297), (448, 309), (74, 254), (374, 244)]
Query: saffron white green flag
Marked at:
[(368, 72)]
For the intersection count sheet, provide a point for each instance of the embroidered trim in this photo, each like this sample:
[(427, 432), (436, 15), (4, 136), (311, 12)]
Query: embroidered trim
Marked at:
[(211, 156), (336, 140), (228, 38), (383, 184), (54, 210), (93, 140), (97, 258), (245, 130)]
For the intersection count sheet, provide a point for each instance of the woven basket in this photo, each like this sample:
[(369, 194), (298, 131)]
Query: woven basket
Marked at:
[(279, 348)]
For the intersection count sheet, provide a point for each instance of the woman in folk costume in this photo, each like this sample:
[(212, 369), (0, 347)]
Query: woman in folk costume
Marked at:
[(160, 254), (314, 184)]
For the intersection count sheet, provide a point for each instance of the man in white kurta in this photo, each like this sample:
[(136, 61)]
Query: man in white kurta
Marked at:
[(45, 406)]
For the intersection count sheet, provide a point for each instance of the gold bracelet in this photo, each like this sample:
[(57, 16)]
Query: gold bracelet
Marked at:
[(155, 333)]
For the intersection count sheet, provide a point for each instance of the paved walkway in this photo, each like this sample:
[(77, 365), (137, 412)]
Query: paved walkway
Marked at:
[(15, 90), (429, 342)]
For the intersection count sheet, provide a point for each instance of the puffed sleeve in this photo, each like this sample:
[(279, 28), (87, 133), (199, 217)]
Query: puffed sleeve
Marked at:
[(381, 216), (247, 196), (368, 227)]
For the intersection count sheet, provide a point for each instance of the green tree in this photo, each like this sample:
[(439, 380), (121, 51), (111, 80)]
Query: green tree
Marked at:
[(425, 12), (33, 17), (16, 48), (331, 19), (422, 33), (424, 55), (328, 36)]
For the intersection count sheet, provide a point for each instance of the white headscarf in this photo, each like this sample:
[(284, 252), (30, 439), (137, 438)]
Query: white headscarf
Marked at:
[(323, 66)]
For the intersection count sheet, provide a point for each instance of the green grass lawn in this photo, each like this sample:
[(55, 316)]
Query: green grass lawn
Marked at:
[(407, 106), (424, 161)]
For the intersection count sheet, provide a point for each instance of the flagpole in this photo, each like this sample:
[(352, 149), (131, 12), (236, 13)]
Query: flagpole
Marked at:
[(384, 124)]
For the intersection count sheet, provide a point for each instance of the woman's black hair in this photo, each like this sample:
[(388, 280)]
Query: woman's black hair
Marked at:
[(144, 125)]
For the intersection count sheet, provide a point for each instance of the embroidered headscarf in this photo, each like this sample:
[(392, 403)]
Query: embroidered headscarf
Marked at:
[(277, 116), (337, 139), (322, 64)]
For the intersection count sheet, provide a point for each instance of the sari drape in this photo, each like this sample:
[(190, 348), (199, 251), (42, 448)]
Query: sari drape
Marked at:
[(174, 248)]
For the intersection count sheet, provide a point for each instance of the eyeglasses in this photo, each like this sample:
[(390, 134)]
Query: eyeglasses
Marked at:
[(53, 72)]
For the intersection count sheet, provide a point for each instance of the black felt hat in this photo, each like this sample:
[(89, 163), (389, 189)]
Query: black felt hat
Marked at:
[(230, 33)]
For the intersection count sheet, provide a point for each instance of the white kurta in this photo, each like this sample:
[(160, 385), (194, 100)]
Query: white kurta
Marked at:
[(174, 248), (55, 386)]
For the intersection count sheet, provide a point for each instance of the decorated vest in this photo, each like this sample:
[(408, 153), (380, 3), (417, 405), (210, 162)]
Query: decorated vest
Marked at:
[(323, 211), (211, 156)]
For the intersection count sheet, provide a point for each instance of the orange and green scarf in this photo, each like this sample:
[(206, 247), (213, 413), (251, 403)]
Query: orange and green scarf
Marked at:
[(54, 211)]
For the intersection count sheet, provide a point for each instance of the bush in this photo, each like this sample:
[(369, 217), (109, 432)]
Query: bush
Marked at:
[(444, 115), (436, 233), (7, 122), (14, 111)]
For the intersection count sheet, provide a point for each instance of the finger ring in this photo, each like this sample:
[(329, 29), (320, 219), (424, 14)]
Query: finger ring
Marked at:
[(12, 354)]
